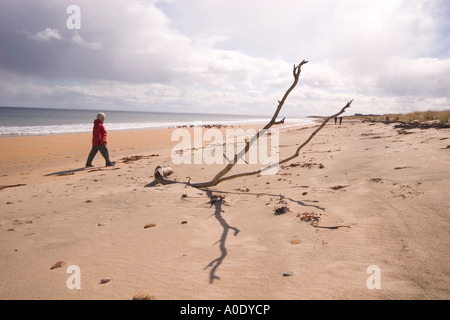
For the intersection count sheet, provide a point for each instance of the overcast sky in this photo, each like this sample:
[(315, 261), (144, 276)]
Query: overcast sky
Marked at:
[(226, 56)]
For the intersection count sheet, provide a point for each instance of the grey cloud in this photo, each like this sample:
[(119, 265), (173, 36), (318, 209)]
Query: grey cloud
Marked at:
[(97, 51), (220, 53)]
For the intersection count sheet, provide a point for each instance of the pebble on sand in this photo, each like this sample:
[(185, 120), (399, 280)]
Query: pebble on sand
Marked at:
[(149, 225), (143, 296), (59, 264), (105, 280), (288, 273), (281, 210)]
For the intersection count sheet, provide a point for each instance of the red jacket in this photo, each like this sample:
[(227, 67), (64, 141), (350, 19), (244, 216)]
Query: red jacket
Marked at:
[(98, 133)]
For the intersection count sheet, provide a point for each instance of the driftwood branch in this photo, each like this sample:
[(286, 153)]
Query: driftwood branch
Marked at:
[(295, 155), (220, 177)]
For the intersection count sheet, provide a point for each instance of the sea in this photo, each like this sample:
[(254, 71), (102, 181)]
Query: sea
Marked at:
[(15, 121)]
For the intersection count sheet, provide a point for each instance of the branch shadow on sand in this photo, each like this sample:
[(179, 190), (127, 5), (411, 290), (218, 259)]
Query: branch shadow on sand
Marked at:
[(217, 203), (299, 202), (152, 184)]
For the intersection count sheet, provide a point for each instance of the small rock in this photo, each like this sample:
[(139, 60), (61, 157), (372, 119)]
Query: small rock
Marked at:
[(183, 222), (88, 201), (59, 264), (184, 196), (149, 225), (101, 224), (143, 296), (9, 202), (337, 187), (105, 280), (281, 210), (304, 193), (288, 273)]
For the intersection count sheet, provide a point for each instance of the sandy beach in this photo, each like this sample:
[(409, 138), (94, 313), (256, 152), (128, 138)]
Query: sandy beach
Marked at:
[(376, 197)]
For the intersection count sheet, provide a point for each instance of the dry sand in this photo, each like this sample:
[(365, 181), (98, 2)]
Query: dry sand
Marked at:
[(388, 191)]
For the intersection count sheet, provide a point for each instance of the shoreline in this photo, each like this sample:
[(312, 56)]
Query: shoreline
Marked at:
[(262, 123), (66, 151), (84, 138), (377, 197), (129, 125)]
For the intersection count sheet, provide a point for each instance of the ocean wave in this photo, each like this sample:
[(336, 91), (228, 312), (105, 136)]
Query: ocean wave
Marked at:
[(8, 131)]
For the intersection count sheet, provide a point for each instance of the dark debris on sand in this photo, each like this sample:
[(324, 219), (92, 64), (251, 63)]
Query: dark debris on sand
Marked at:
[(136, 158)]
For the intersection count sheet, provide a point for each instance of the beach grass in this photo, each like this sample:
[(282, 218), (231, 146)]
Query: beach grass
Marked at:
[(421, 116)]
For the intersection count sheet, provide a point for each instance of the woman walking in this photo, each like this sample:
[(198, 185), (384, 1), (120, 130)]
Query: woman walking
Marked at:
[(99, 142)]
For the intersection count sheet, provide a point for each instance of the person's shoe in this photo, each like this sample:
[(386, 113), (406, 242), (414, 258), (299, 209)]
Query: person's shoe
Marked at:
[(111, 164), (89, 166)]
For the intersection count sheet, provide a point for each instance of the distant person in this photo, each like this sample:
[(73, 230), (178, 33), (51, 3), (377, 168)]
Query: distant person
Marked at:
[(335, 120), (340, 120), (99, 142)]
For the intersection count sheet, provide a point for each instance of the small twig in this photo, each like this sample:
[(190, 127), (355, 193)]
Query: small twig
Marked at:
[(332, 227), (12, 186)]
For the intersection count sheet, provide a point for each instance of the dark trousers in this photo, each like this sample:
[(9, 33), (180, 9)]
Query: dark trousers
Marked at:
[(103, 150)]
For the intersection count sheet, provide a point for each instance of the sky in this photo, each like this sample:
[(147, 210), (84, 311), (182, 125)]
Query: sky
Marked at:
[(226, 56)]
